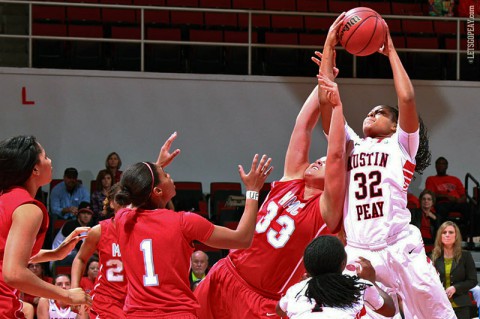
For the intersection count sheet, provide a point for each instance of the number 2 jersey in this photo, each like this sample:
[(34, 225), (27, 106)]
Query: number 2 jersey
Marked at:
[(156, 247), (110, 285), (286, 223), (379, 171)]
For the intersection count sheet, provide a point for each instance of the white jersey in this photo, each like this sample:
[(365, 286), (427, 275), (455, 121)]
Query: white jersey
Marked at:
[(56, 312), (379, 171), (299, 306)]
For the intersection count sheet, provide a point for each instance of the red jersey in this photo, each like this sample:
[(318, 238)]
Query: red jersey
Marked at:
[(158, 245), (110, 282), (286, 223), (445, 185), (9, 202)]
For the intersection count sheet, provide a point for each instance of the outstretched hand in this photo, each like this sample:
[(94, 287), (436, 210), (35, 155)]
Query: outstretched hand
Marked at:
[(331, 88), (165, 157), (70, 242), (319, 62), (258, 174)]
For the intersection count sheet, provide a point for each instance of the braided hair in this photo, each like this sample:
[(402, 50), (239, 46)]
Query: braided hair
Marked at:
[(423, 157), (324, 260)]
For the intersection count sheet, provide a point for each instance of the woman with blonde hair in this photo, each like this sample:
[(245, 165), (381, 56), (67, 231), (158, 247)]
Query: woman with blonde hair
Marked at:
[(455, 267)]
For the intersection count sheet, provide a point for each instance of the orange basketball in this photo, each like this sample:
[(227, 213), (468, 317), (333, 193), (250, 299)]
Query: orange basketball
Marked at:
[(362, 31)]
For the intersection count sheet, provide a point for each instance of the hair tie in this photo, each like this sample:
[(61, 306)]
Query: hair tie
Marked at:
[(151, 173)]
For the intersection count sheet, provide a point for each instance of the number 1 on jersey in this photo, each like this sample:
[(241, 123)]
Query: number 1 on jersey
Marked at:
[(150, 278)]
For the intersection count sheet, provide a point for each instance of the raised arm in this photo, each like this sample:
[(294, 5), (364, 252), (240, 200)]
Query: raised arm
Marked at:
[(326, 64), (165, 157), (223, 237), (86, 251), (408, 117), (296, 158), (331, 201)]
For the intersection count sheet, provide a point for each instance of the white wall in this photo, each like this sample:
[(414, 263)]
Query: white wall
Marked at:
[(81, 116)]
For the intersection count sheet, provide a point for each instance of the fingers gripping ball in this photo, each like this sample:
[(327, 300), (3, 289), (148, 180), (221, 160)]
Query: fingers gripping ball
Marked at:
[(362, 31)]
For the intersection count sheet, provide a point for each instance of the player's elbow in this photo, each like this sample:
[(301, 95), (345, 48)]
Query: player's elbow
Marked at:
[(12, 277)]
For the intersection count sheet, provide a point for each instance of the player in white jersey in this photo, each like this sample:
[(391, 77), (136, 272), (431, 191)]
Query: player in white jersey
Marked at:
[(334, 291), (379, 170), (55, 309)]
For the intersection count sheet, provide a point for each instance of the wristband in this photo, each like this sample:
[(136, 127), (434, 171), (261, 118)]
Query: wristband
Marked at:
[(252, 195), (372, 298)]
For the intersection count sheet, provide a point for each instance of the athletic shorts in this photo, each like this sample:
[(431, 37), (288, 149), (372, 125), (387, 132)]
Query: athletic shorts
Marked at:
[(109, 308), (404, 268), (223, 294)]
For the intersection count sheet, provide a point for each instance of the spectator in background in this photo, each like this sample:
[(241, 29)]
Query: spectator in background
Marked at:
[(412, 201), (53, 309), (87, 282), (198, 271), (441, 8), (84, 219), (449, 191), (455, 267), (425, 218), (113, 164), (67, 195), (103, 184)]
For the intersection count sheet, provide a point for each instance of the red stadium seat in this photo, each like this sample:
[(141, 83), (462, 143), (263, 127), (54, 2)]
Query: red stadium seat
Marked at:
[(312, 5)]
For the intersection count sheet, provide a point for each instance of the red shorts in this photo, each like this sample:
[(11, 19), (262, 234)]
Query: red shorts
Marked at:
[(224, 295), (106, 308)]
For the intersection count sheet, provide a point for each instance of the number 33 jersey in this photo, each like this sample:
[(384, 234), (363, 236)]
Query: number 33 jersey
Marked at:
[(379, 171), (286, 223)]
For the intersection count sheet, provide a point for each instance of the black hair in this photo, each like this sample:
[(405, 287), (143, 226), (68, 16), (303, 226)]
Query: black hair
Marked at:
[(136, 185), (424, 156), (89, 262), (60, 275), (441, 158), (18, 157), (324, 259)]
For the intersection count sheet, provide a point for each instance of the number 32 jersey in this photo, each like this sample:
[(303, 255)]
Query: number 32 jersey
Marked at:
[(286, 223), (379, 171)]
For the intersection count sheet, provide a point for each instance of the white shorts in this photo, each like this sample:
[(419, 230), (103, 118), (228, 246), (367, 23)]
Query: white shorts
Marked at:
[(404, 268)]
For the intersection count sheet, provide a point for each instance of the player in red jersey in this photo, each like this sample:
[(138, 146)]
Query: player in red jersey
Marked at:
[(110, 287), (24, 167), (248, 283), (157, 243)]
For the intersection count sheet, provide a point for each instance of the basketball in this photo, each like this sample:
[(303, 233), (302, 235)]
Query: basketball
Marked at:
[(362, 31)]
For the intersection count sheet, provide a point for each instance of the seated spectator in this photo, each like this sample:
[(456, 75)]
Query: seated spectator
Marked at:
[(449, 191), (110, 206), (38, 270), (113, 164), (53, 309), (67, 195), (199, 265), (84, 218), (103, 184), (425, 218), (441, 7), (91, 272)]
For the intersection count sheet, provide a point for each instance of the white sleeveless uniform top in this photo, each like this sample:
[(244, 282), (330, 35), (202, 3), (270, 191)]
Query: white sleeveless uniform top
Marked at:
[(379, 172), (60, 313)]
